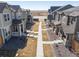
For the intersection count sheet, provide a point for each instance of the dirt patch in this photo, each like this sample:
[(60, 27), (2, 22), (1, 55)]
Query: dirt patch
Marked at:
[(47, 50), (44, 32), (35, 27), (29, 50), (43, 25), (44, 35)]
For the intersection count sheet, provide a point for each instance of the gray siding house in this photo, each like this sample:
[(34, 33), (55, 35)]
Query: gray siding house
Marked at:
[(18, 19)]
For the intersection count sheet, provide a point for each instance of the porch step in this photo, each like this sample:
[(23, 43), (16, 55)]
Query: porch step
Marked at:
[(32, 35), (31, 31)]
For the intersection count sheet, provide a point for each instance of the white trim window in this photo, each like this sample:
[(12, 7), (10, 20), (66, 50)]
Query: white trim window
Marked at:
[(6, 17)]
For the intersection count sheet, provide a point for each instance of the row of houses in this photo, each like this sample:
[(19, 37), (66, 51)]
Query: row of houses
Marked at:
[(66, 21), (13, 21)]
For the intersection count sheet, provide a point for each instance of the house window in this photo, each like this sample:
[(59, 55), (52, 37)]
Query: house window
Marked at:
[(5, 17), (6, 33), (68, 20), (72, 20), (8, 16)]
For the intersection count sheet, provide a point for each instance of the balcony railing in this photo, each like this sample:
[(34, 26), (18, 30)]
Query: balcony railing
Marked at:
[(15, 33)]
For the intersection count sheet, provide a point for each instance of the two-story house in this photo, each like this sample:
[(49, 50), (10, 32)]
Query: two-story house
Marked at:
[(17, 20), (29, 21), (5, 23), (13, 21), (50, 13), (70, 25), (57, 15)]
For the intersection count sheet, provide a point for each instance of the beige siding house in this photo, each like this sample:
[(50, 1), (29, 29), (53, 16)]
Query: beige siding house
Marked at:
[(69, 20), (74, 16), (70, 26), (13, 21), (5, 22)]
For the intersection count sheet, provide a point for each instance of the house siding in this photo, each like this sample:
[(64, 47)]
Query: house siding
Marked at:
[(5, 25), (8, 22), (19, 14), (68, 28), (77, 25), (13, 15)]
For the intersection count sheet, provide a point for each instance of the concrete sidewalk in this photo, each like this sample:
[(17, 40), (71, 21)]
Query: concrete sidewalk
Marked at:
[(40, 43), (53, 42)]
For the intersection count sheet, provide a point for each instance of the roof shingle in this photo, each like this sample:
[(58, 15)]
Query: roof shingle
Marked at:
[(15, 7), (64, 8), (2, 6)]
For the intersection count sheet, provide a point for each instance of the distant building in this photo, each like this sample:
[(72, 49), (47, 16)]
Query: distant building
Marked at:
[(29, 21), (50, 11)]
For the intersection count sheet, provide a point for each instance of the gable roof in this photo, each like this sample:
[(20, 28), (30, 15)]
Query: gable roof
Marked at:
[(54, 8), (15, 7), (72, 11), (64, 8), (2, 6)]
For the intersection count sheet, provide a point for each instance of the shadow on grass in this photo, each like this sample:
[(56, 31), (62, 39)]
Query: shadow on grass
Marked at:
[(10, 48), (29, 25)]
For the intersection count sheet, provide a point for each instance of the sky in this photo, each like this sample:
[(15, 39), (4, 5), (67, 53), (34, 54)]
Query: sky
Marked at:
[(42, 5)]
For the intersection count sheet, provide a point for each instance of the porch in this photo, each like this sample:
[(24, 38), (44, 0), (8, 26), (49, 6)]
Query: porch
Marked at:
[(18, 28)]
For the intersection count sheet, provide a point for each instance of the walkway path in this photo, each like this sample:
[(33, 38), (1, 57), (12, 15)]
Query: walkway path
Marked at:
[(39, 43), (53, 42)]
